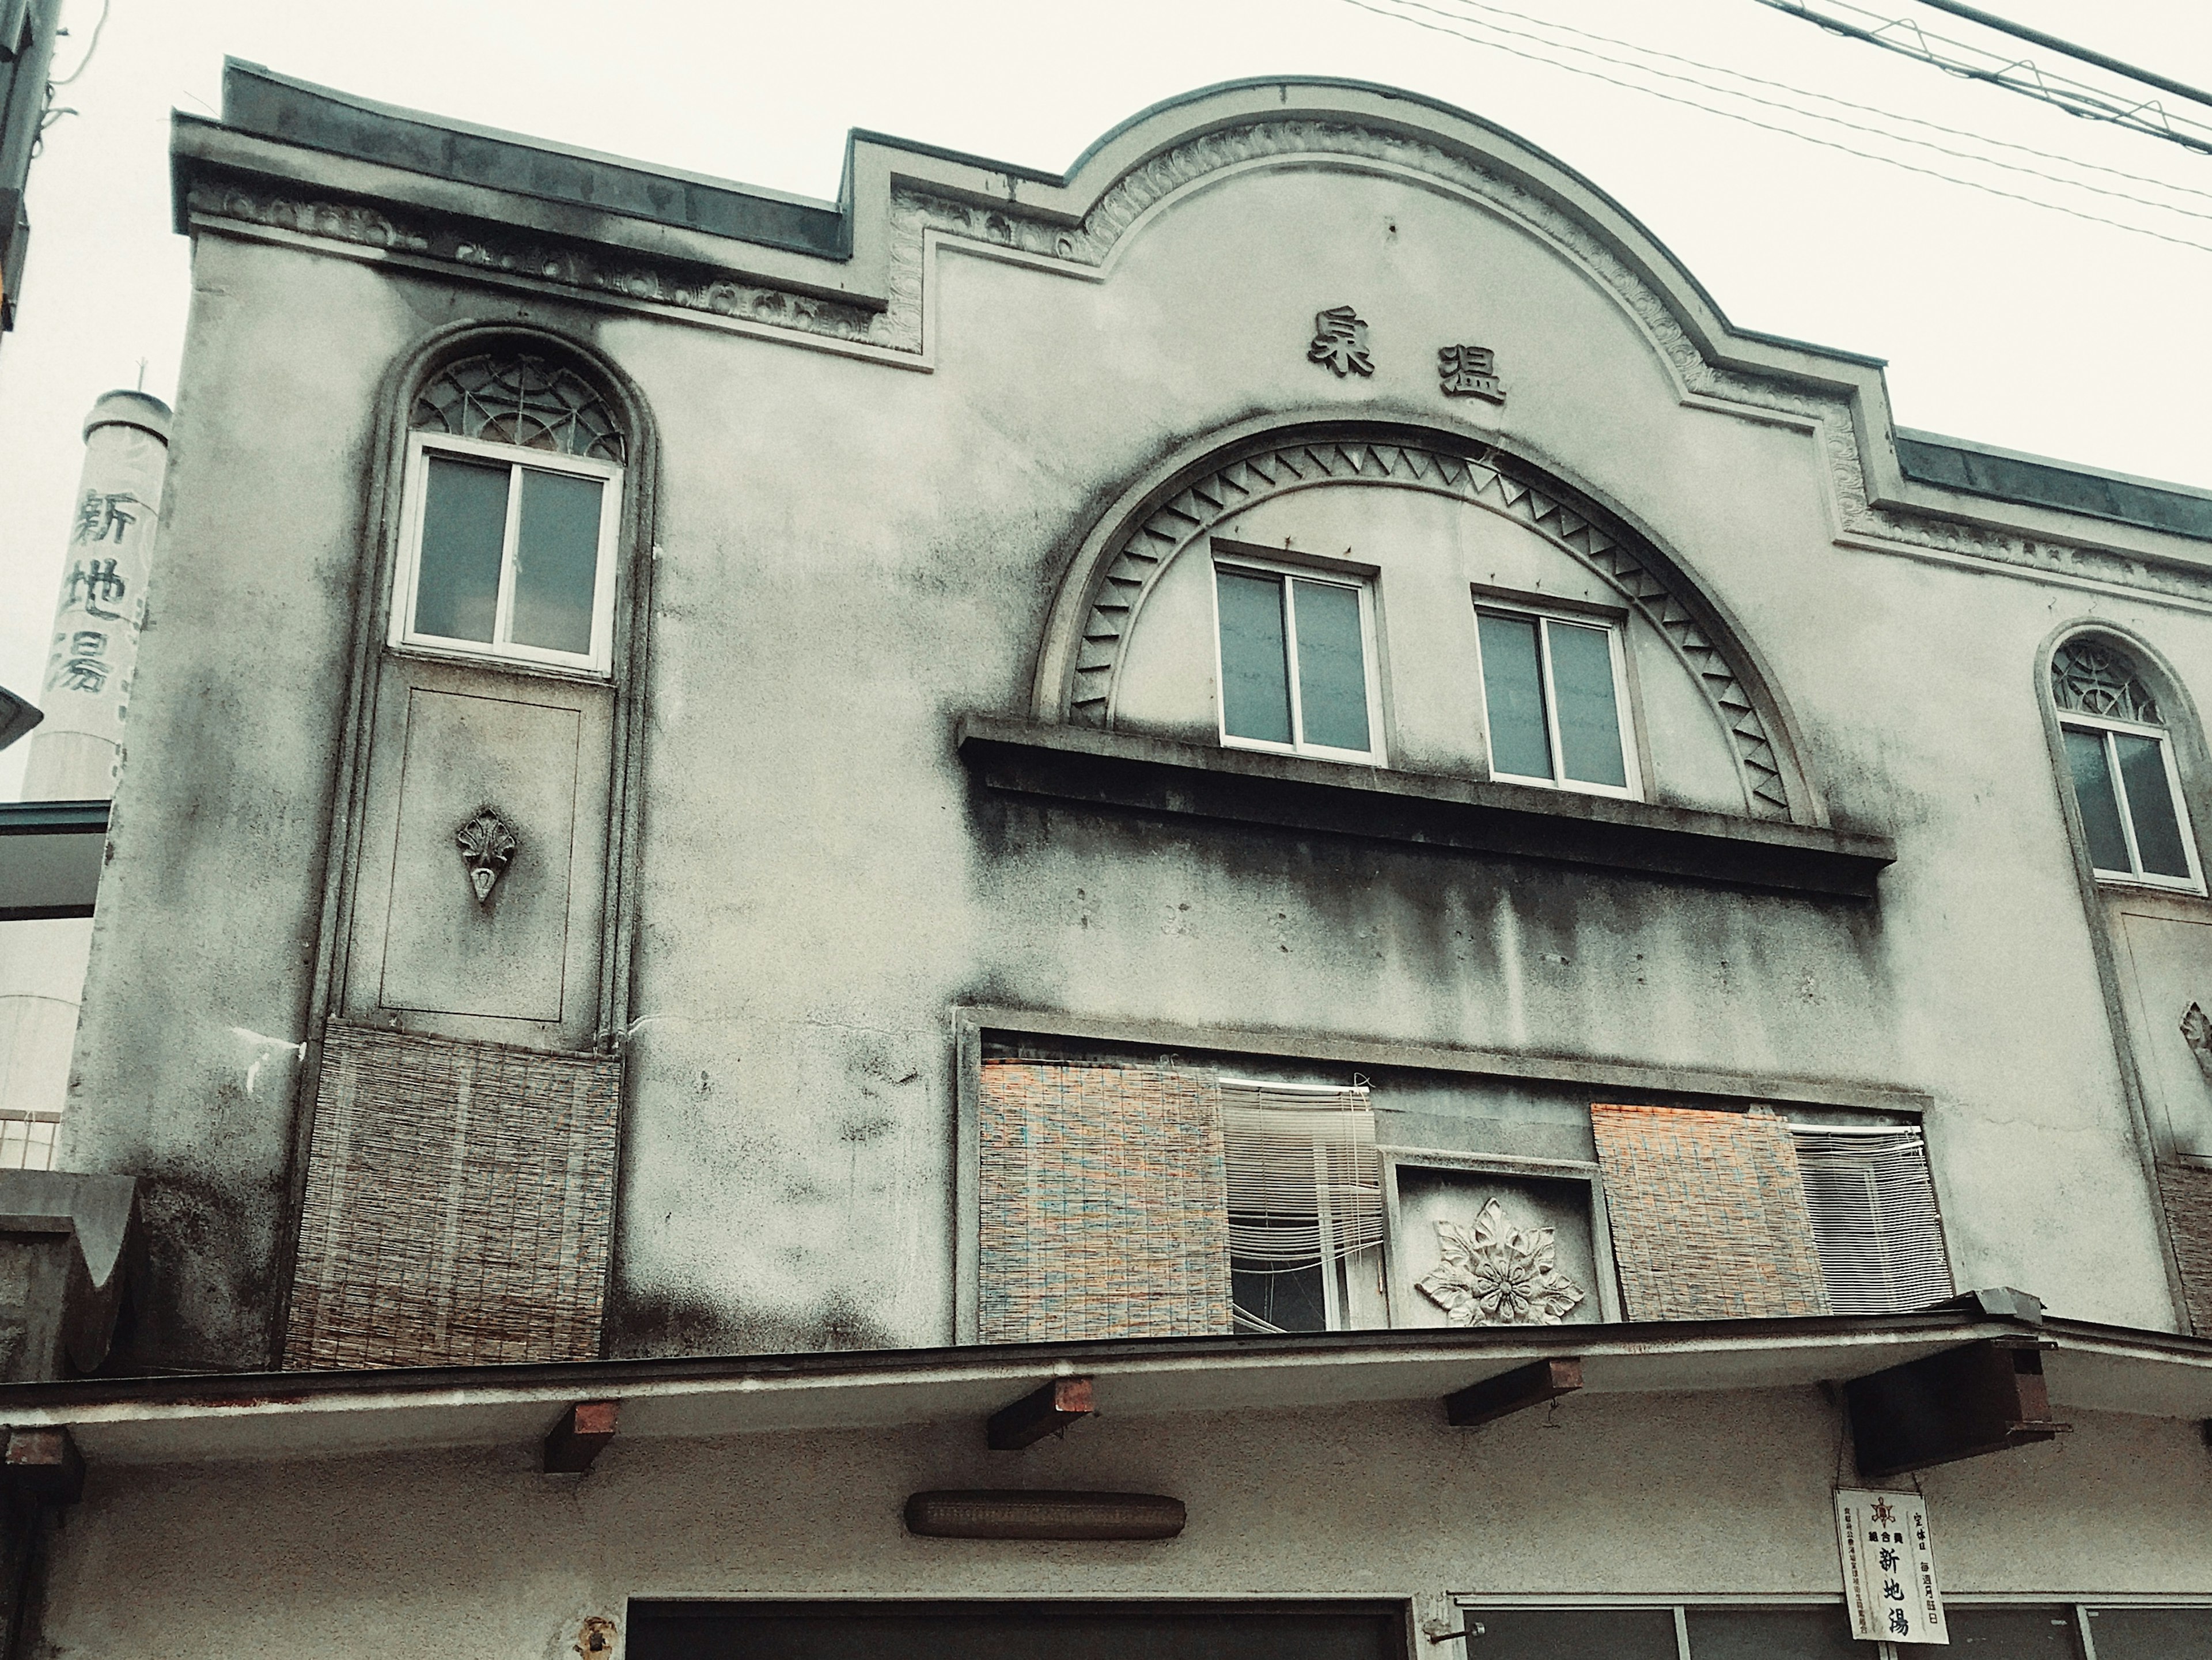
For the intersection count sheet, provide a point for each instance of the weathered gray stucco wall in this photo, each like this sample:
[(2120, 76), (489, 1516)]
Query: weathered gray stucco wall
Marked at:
[(854, 554), (480, 1555)]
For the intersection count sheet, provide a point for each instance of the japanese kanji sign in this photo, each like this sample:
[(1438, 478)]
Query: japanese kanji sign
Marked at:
[(1469, 372), (1889, 1568), (1340, 341)]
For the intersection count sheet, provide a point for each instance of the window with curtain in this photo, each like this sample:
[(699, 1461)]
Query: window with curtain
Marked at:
[(1875, 1220), (1124, 1200), (1555, 701), (1296, 662), (1305, 1208), (2120, 763), (512, 491)]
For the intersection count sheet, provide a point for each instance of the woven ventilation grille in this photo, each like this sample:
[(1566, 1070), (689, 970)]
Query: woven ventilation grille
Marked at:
[(1875, 1219), (1709, 1214), (1306, 1183), (460, 1199), (1103, 1212), (2187, 1191)]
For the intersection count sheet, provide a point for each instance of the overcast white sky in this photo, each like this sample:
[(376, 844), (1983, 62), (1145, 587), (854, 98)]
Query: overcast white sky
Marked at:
[(2002, 321)]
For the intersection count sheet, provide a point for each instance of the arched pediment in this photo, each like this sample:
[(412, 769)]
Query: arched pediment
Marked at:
[(1106, 587)]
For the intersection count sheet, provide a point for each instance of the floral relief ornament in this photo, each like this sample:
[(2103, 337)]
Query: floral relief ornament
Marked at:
[(1496, 1274)]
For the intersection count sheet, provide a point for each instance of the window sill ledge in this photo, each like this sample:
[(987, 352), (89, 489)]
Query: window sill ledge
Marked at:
[(1151, 774)]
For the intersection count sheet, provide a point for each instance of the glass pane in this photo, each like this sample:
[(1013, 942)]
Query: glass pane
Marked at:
[(2150, 803), (1513, 686), (1589, 718), (1822, 1633), (1571, 1633), (1289, 1299), (2092, 794), (556, 561), (1332, 664), (1255, 674), (2152, 1633), (2004, 1634), (1017, 1631), (463, 531)]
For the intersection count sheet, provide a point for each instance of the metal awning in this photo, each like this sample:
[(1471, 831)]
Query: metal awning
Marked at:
[(277, 1414), (50, 858)]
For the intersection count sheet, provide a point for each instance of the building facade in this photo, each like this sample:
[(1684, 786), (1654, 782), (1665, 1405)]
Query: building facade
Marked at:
[(1273, 805)]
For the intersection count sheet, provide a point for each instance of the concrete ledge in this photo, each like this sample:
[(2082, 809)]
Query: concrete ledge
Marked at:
[(1151, 774)]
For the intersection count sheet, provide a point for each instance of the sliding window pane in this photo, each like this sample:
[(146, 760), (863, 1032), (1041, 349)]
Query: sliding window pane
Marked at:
[(2093, 792), (463, 532), (1513, 688), (2150, 804), (1332, 664), (2031, 1633), (1589, 714), (1571, 1633), (556, 561), (1255, 675), (2152, 1633), (1809, 1633), (1286, 1298)]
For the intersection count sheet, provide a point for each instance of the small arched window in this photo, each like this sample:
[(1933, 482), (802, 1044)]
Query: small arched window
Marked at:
[(2119, 756), (514, 488)]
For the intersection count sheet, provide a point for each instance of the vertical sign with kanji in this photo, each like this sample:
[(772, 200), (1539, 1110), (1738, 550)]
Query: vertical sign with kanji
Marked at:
[(93, 650), (1889, 1567)]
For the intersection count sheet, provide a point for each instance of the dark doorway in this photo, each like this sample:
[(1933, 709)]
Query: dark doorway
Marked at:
[(1016, 1631)]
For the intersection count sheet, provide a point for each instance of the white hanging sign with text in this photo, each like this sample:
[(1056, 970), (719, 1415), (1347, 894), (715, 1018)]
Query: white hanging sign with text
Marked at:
[(1889, 1567)]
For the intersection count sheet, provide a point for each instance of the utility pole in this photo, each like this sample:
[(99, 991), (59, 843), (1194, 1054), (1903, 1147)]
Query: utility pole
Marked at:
[(27, 50)]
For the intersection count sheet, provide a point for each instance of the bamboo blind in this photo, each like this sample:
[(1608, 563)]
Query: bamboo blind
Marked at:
[(1709, 1215), (459, 1204), (1104, 1208)]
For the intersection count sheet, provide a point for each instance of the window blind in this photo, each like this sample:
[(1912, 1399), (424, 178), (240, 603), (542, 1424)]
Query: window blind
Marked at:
[(1304, 1181), (1710, 1218), (1103, 1206), (1875, 1218)]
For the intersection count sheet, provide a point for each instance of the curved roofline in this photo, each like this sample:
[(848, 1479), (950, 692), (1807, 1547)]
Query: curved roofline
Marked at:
[(813, 260), (1458, 113)]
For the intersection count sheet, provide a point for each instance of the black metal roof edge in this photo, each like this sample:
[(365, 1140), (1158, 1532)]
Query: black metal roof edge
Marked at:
[(2000, 475), (53, 817), (259, 102), (392, 116), (586, 1378)]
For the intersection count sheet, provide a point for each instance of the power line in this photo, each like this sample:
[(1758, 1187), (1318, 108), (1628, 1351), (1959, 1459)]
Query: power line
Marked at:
[(2037, 37), (1830, 98), (2018, 74), (1791, 109), (85, 62), (1787, 132)]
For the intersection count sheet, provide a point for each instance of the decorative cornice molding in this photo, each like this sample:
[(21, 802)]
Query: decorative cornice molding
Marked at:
[(1277, 469), (915, 213)]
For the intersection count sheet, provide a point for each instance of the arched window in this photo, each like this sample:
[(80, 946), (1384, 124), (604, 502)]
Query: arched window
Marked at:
[(513, 488), (2120, 758)]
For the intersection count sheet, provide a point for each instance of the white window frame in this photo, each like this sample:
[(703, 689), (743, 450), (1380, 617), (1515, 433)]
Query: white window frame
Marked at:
[(2106, 726), (1617, 649), (1372, 756), (420, 447)]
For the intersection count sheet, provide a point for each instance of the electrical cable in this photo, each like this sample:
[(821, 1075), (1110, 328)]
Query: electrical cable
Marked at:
[(2037, 37), (1830, 98), (1787, 132), (2075, 97), (85, 62), (1833, 120)]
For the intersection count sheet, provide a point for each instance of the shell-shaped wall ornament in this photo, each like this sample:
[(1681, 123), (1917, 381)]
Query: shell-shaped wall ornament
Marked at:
[(487, 844)]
